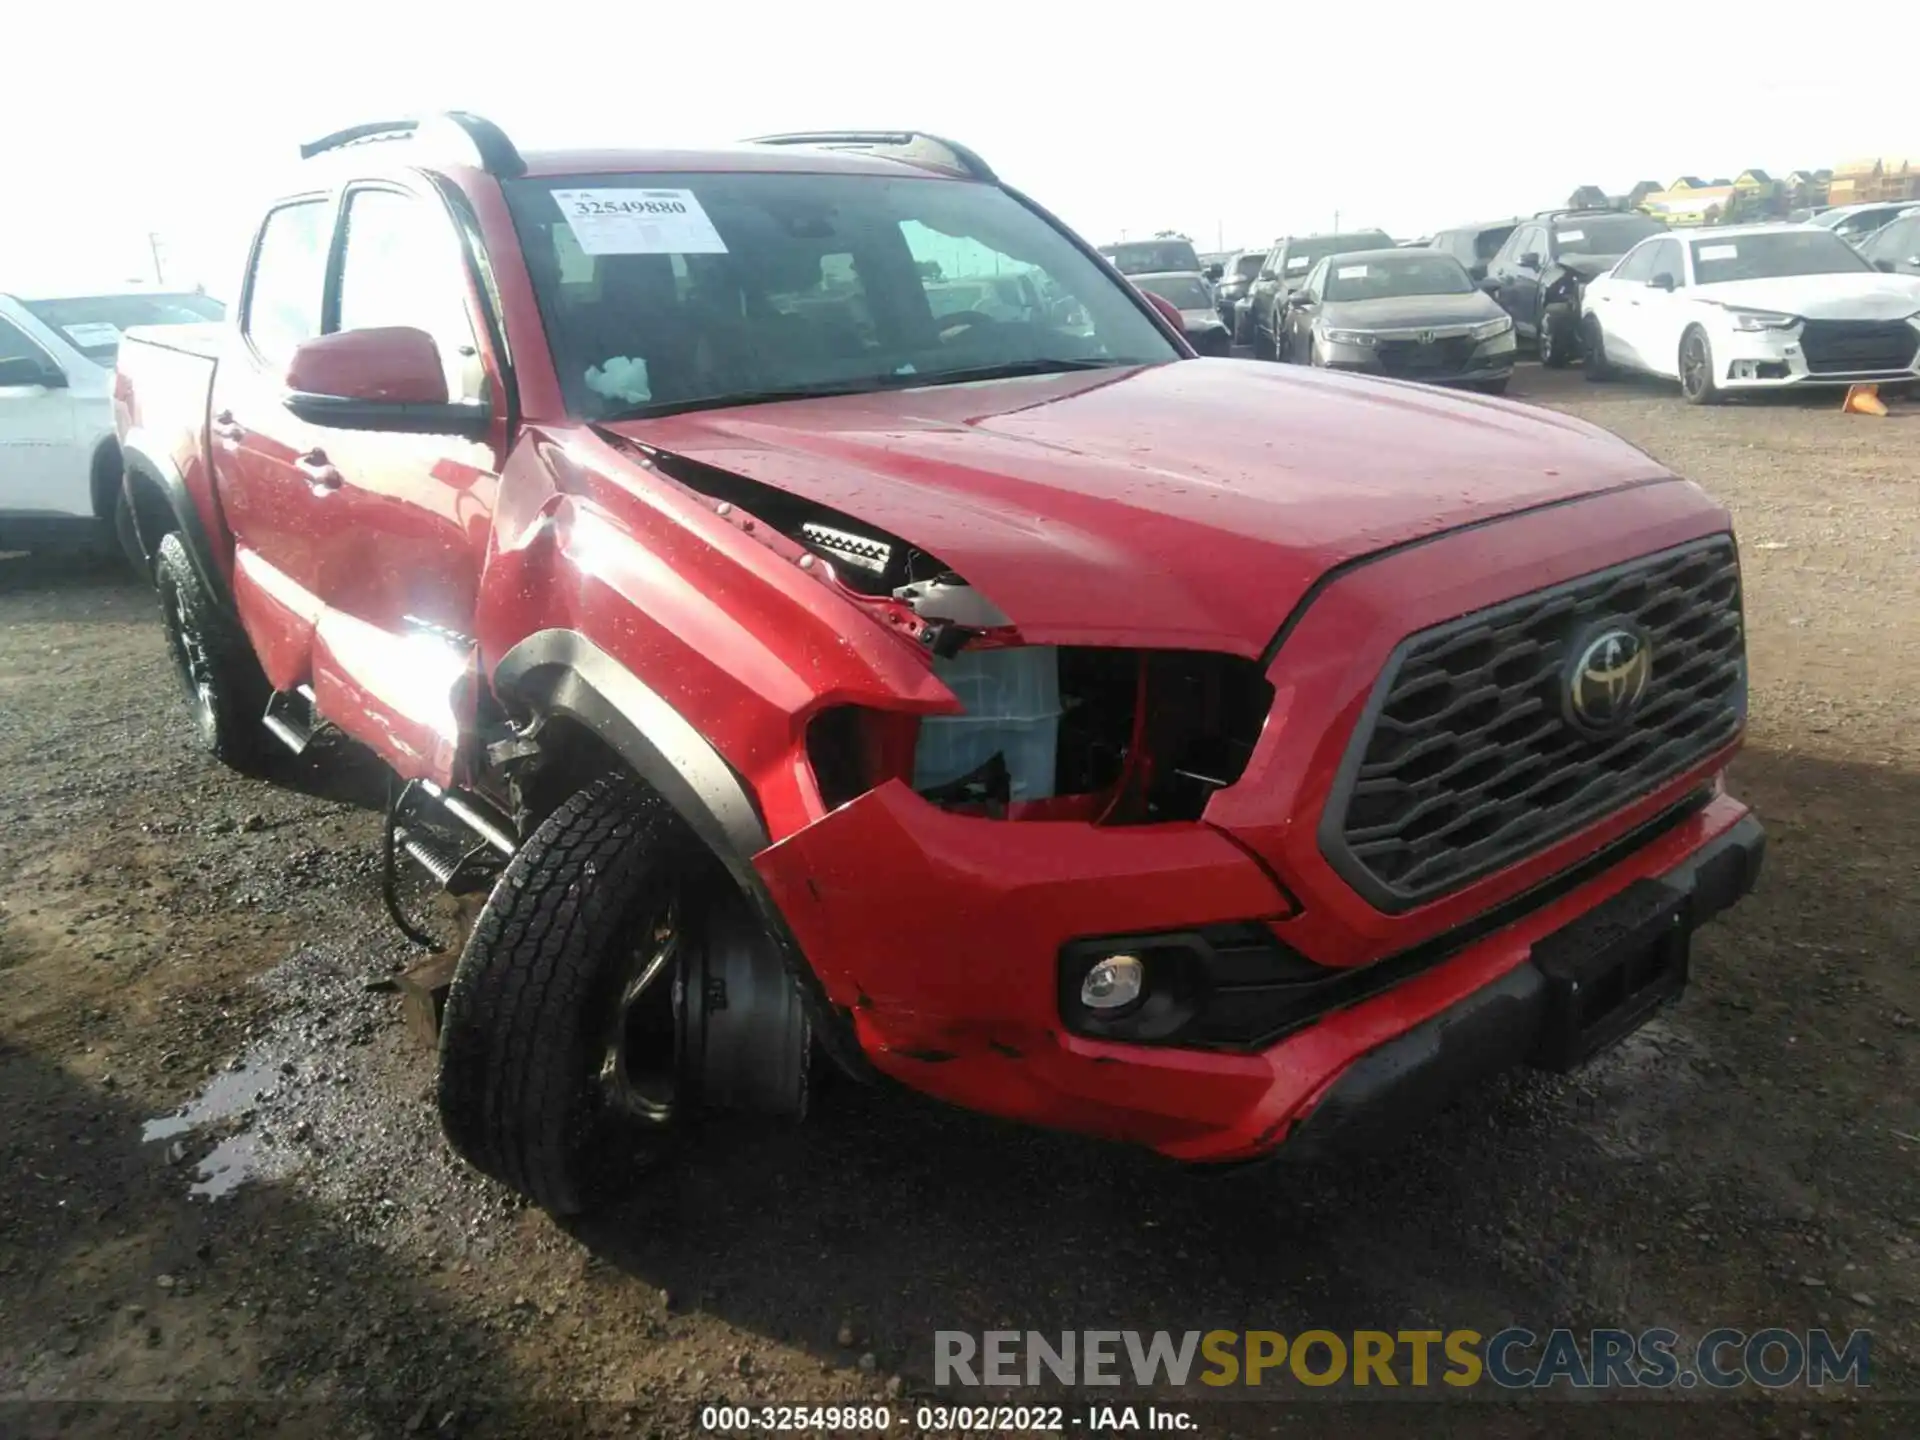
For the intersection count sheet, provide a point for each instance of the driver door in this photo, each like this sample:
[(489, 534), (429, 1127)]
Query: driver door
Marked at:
[(1663, 313), (1296, 333), (1617, 303)]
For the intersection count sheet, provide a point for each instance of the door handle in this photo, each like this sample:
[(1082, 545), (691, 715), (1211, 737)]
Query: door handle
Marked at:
[(321, 476), (224, 427)]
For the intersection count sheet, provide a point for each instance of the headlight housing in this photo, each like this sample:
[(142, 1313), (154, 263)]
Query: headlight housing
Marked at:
[(1346, 337), (1754, 321), (1493, 328)]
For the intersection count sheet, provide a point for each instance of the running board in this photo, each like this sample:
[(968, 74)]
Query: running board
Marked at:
[(459, 840), (291, 717)]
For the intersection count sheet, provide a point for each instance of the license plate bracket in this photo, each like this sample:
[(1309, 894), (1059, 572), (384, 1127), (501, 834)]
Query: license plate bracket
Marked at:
[(1608, 972)]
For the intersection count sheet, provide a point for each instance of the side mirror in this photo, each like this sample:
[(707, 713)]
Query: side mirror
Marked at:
[(1299, 300), (1490, 284), (1477, 274), (20, 370), (1214, 272), (1885, 266), (388, 378), (1530, 260), (1168, 310), (1662, 281)]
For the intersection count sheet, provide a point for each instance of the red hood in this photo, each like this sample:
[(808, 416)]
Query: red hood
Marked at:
[(1187, 505)]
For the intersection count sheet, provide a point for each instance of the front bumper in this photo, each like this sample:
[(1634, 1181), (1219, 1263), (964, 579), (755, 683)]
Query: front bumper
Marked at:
[(1778, 360), (965, 1021), (1389, 1091)]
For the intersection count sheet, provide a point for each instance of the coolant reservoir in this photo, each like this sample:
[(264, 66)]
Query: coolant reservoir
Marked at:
[(1012, 699)]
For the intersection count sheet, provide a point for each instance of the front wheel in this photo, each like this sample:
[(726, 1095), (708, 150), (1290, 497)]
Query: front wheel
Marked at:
[(1263, 347), (563, 1049), (1697, 382), (1598, 367)]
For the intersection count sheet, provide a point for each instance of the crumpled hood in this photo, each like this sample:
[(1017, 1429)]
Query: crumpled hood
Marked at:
[(1189, 504), (1865, 295), (1586, 266)]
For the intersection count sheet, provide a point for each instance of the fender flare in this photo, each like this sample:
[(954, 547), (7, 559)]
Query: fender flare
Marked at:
[(150, 464), (562, 672)]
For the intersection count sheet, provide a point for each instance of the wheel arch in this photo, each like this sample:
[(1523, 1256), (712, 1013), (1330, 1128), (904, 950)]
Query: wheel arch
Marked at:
[(561, 674), (161, 504)]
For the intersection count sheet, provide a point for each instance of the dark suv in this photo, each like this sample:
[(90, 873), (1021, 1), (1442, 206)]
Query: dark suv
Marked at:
[(1474, 245), (1539, 274), (1284, 271)]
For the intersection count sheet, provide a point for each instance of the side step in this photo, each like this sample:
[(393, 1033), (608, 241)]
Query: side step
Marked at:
[(291, 718), (459, 840)]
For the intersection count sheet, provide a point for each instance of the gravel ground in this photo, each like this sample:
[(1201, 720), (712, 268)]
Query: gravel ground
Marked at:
[(229, 1203)]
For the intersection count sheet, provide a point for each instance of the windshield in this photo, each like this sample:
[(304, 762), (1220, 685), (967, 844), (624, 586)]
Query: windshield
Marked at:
[(1145, 257), (1782, 252), (1302, 254), (1379, 277), (92, 323), (671, 292), (1184, 292), (1603, 234)]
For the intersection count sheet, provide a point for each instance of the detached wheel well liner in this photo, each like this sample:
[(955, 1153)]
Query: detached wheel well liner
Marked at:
[(563, 673)]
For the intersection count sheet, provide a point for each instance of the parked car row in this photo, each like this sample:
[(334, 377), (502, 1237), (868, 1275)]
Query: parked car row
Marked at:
[(1719, 311)]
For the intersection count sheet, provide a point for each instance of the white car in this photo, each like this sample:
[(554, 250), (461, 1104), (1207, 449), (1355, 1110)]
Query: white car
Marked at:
[(59, 461), (1752, 307)]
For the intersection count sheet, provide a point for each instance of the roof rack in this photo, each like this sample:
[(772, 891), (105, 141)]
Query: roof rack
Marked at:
[(916, 147), (463, 136)]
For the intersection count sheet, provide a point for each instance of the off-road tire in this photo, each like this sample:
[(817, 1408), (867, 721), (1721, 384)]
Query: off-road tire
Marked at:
[(516, 1094), (1556, 338), (226, 691), (1594, 341)]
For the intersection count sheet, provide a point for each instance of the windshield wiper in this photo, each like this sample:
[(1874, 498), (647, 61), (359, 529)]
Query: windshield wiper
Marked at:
[(1009, 370), (861, 385), (655, 409)]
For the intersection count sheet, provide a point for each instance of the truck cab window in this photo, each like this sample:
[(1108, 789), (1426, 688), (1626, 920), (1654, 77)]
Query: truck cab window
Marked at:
[(289, 268), (401, 266)]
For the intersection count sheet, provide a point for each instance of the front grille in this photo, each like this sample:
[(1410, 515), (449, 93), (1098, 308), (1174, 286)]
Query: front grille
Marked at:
[(1840, 346), (1466, 761), (1437, 357)]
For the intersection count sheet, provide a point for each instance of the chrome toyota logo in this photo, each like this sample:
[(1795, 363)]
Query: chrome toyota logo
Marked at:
[(1608, 677)]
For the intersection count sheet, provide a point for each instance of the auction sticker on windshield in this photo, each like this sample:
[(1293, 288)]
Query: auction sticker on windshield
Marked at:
[(639, 222), (1350, 272), (1568, 237), (92, 334), (1717, 252)]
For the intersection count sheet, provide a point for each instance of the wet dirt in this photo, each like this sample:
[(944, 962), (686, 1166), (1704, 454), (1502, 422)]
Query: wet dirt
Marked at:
[(229, 1203)]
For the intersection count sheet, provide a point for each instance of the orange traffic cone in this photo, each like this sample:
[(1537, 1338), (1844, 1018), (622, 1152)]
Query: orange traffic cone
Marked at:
[(1863, 400)]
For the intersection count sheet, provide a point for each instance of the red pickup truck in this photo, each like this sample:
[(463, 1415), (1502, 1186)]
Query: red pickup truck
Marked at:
[(1197, 754)]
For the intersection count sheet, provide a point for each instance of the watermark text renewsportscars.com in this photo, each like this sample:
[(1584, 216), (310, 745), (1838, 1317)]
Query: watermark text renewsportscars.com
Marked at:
[(1515, 1358)]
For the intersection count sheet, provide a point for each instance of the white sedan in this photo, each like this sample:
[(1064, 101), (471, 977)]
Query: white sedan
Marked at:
[(1752, 307)]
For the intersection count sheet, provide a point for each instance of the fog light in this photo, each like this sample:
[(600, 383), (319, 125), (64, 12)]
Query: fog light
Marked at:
[(1114, 983)]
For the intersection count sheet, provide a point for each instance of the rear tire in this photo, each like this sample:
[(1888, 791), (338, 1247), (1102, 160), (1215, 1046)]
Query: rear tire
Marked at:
[(1263, 347), (1598, 367), (225, 689), (1556, 337), (545, 1035)]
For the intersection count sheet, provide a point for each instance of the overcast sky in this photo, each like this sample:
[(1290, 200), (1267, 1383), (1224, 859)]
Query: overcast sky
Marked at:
[(177, 117)]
